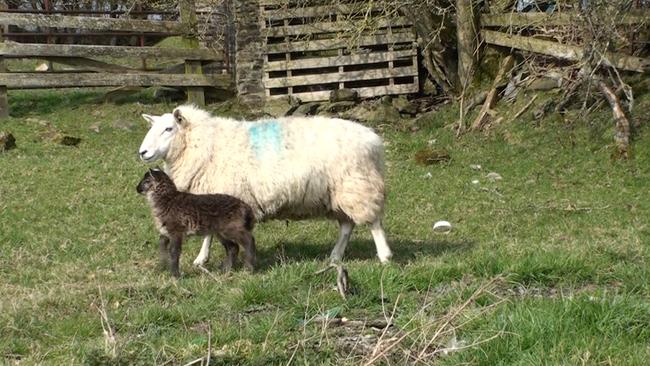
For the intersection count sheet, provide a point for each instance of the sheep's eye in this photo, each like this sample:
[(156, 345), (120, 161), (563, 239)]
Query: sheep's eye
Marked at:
[(169, 129)]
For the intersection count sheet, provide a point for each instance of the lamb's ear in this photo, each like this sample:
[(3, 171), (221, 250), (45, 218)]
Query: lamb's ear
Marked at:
[(178, 117), (148, 118)]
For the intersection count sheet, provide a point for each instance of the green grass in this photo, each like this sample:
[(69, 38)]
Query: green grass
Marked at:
[(554, 257)]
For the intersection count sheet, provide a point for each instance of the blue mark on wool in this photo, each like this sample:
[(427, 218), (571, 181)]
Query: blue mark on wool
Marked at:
[(265, 137)]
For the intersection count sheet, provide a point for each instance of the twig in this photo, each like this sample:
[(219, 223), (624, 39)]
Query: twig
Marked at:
[(195, 361), (523, 110), (207, 271), (207, 362), (388, 321), (109, 334), (345, 322), (474, 344), (266, 339), (453, 316)]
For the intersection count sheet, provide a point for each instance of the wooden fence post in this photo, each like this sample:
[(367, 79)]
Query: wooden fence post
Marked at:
[(195, 95), (4, 101), (466, 34)]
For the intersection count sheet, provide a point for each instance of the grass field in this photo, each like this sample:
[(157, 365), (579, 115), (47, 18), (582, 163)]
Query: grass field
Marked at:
[(549, 265)]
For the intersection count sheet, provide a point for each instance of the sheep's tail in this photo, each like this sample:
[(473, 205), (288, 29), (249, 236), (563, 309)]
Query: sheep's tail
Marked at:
[(249, 219)]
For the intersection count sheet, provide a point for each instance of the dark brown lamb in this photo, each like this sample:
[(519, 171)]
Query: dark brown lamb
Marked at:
[(178, 214)]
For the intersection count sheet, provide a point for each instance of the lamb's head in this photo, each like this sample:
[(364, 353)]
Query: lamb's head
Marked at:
[(153, 180), (164, 131)]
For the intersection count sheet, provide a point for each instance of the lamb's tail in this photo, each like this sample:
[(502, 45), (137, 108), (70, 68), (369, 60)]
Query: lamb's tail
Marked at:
[(249, 219)]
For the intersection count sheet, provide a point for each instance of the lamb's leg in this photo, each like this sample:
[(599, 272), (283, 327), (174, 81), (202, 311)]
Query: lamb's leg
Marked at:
[(204, 254), (345, 231), (232, 250), (175, 254), (250, 255), (164, 250), (383, 251)]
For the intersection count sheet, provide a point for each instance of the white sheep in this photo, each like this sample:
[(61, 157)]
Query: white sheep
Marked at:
[(285, 168)]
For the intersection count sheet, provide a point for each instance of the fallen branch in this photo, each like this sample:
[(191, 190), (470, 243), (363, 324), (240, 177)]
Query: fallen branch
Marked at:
[(622, 135), (491, 98), (345, 322)]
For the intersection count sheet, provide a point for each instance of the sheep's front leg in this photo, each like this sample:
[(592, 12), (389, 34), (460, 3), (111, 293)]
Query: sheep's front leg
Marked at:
[(175, 254), (204, 254), (164, 251)]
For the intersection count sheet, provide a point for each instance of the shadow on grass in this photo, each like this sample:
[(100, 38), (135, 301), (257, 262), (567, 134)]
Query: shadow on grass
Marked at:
[(39, 102), (404, 251)]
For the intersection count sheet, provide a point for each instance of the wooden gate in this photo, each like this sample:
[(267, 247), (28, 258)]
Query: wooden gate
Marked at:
[(311, 50), (95, 61)]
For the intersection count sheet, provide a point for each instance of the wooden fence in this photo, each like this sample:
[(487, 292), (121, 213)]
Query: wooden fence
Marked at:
[(497, 29), (97, 71), (308, 52)]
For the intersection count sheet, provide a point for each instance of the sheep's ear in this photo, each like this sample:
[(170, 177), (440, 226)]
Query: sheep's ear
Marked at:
[(178, 117), (148, 118)]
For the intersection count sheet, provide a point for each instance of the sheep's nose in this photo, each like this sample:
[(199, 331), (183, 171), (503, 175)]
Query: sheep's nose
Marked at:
[(143, 152)]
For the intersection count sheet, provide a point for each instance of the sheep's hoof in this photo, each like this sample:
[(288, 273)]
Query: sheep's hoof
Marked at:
[(200, 261), (386, 258), (342, 278)]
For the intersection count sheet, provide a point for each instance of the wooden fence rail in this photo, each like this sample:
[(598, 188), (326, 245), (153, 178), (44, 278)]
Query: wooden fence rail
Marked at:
[(100, 73), (563, 51), (553, 19), (91, 23), (13, 49)]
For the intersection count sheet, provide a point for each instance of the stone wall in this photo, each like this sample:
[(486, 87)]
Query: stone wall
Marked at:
[(248, 52)]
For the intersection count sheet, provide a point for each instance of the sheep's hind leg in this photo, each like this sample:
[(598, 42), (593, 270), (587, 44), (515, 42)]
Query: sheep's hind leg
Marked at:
[(232, 250), (383, 251), (345, 232), (204, 254), (250, 255)]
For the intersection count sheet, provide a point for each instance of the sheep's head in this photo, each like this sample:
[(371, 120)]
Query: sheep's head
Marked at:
[(152, 179), (159, 139)]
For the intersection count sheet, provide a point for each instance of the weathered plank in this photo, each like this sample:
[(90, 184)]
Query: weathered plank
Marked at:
[(4, 101), (331, 27), (328, 44), (564, 18), (195, 94), (47, 80), (13, 49), (91, 65), (332, 61), (563, 51), (94, 23), (317, 11), (364, 92), (336, 77)]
